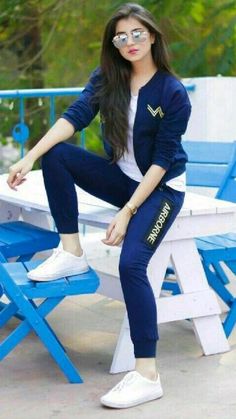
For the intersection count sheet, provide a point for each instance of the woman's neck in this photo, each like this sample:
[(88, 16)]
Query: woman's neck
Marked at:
[(143, 67), (141, 74)]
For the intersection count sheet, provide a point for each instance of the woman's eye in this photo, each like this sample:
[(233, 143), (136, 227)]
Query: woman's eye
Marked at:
[(136, 34)]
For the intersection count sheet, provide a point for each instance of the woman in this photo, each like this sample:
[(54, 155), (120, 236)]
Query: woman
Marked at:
[(144, 111)]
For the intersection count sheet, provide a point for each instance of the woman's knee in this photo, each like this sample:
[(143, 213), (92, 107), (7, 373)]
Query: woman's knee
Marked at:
[(53, 155)]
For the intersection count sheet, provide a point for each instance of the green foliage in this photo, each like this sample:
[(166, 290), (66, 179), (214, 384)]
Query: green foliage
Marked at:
[(56, 43)]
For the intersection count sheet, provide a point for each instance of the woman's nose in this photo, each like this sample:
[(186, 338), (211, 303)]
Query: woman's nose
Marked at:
[(130, 40)]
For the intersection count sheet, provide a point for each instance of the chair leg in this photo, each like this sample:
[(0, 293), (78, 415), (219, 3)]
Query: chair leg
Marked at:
[(7, 311), (231, 265), (40, 326), (2, 259), (3, 306), (45, 308), (218, 285), (230, 320), (24, 328), (220, 272)]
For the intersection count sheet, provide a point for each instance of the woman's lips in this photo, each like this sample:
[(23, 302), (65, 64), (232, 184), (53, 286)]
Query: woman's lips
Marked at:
[(133, 51)]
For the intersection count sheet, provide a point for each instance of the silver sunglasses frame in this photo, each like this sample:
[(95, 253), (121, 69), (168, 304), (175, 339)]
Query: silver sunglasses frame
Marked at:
[(145, 33)]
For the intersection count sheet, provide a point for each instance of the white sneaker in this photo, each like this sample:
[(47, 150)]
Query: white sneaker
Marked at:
[(134, 389), (58, 265)]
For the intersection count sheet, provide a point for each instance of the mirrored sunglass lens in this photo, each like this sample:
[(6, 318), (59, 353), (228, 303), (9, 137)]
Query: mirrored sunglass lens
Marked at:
[(120, 41), (136, 35), (139, 36)]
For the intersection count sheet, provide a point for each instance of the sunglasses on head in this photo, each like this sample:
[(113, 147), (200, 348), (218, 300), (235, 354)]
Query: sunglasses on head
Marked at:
[(121, 40)]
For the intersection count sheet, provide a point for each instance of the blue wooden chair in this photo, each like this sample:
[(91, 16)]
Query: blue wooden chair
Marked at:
[(22, 292), (22, 240), (214, 165)]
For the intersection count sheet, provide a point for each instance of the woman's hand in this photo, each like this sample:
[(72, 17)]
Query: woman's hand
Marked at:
[(117, 228), (18, 171)]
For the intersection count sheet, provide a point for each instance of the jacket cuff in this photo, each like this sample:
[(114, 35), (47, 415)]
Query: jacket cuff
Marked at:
[(71, 120), (164, 163)]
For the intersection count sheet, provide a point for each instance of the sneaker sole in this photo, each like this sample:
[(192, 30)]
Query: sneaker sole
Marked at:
[(131, 404), (55, 277)]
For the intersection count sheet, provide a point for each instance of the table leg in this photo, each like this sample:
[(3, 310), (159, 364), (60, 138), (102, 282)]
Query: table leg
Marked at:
[(191, 278), (9, 212), (123, 358), (37, 218)]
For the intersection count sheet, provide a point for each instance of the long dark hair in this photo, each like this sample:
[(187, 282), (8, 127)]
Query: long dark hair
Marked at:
[(113, 93)]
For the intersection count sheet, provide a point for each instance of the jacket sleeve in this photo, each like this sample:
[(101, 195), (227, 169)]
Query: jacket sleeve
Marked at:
[(172, 127), (82, 111)]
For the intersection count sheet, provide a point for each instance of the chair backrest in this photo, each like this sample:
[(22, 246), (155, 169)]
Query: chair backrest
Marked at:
[(212, 164), (207, 162), (227, 189)]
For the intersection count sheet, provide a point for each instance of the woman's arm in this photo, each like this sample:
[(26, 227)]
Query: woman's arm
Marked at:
[(117, 228), (149, 182), (60, 131), (77, 116)]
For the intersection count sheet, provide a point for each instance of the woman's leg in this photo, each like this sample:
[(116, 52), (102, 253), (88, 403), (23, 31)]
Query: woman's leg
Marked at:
[(145, 233), (64, 166)]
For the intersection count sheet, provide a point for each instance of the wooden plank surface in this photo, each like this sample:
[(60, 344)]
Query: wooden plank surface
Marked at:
[(191, 221), (32, 193)]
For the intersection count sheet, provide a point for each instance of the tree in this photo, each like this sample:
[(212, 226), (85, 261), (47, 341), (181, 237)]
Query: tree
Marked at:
[(56, 43)]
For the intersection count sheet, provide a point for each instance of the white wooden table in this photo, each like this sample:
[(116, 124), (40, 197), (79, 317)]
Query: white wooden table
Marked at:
[(199, 216)]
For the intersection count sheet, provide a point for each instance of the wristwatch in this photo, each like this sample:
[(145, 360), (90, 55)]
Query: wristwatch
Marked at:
[(131, 207)]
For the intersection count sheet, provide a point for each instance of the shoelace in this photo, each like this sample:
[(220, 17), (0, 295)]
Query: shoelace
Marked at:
[(129, 379)]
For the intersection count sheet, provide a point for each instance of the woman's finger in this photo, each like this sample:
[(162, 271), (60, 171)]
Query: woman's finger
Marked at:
[(18, 180), (109, 229), (114, 239), (118, 240), (11, 179), (21, 181), (109, 240)]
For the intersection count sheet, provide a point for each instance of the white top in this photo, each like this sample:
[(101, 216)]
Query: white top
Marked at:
[(127, 162)]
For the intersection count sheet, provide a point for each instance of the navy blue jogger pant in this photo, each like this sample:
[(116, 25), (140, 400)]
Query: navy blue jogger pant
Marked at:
[(65, 165)]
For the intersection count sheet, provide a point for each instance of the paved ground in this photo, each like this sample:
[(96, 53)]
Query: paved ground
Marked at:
[(32, 386)]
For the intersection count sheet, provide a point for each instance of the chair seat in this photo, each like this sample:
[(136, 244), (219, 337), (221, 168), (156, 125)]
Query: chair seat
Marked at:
[(85, 283), (218, 247), (18, 238), (21, 293)]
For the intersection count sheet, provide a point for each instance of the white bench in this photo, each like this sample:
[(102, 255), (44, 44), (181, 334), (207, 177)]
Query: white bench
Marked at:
[(199, 216)]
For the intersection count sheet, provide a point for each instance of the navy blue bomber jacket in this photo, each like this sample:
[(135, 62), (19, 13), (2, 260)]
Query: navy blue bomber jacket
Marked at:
[(162, 115)]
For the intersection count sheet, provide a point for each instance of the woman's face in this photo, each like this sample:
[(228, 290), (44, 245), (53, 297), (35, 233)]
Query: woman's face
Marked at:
[(133, 48)]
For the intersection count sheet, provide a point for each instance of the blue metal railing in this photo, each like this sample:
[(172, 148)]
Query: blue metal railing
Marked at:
[(21, 130)]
